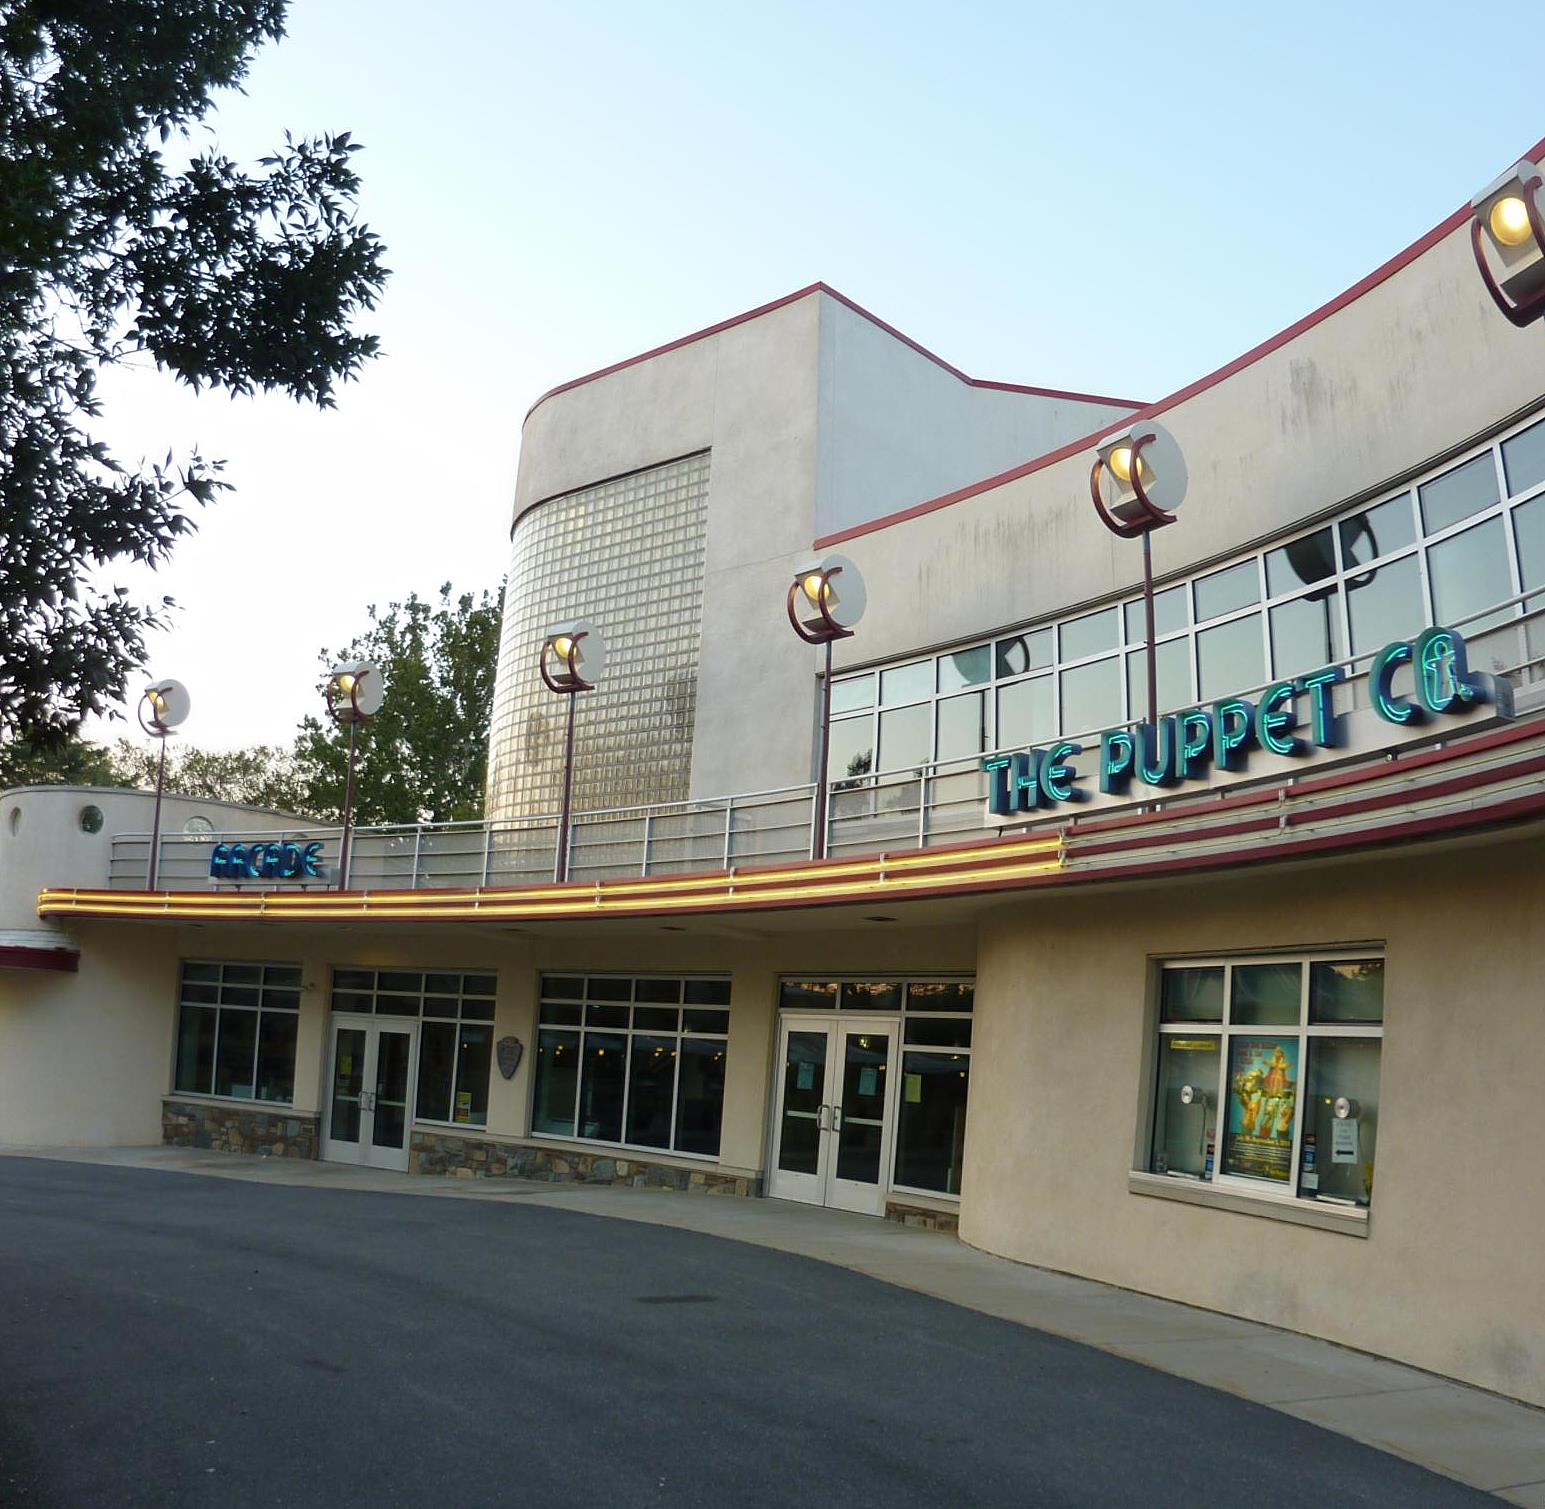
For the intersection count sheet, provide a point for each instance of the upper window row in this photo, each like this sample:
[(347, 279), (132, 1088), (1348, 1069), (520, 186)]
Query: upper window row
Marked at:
[(1444, 551)]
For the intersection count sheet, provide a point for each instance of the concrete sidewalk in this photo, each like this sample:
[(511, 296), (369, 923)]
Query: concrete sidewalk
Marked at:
[(1481, 1439)]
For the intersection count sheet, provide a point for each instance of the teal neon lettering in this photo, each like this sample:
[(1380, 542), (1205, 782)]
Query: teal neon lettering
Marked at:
[(1195, 741), (1156, 753), (1274, 717), (997, 771), (1026, 780), (1381, 675), (1117, 753), (1057, 776), (1233, 732), (311, 859), (1442, 671), (1323, 718)]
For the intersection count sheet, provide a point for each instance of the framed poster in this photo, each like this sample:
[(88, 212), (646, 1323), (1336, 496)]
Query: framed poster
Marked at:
[(1263, 1098)]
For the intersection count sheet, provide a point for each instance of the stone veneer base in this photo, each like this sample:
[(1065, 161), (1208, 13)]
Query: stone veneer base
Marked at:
[(481, 1158), (924, 1216), (239, 1129)]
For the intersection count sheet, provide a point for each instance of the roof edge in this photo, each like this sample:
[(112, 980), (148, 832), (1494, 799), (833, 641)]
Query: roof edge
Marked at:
[(858, 309), (1380, 274)]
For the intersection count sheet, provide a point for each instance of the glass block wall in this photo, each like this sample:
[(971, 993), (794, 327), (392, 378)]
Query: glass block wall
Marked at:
[(626, 555)]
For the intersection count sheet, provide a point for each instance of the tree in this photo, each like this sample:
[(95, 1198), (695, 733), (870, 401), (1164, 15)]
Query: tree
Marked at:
[(424, 756), (263, 776), (221, 277)]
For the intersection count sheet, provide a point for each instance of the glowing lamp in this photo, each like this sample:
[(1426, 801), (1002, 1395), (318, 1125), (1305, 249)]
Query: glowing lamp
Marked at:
[(1507, 234), (826, 599), (1138, 479), (572, 657)]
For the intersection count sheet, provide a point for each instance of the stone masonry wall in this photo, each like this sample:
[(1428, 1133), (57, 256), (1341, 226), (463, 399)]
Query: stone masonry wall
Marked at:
[(480, 1158), (239, 1129)]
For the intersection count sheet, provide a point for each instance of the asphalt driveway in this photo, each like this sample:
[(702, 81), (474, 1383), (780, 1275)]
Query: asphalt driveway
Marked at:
[(172, 1341)]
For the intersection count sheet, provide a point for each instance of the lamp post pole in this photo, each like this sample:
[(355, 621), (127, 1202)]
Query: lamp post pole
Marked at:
[(353, 695), (1137, 482), (161, 708), (823, 775), (561, 861), (348, 814), (1152, 653), (571, 661), (825, 600), (155, 825)]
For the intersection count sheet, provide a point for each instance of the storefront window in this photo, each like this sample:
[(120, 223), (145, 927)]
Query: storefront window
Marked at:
[(236, 1030), (1267, 1075), (645, 1070), (456, 1038)]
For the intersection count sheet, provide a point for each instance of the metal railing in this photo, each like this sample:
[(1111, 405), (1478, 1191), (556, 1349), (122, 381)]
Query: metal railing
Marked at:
[(940, 802)]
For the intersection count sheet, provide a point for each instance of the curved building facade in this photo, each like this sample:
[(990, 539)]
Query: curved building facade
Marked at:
[(1232, 1008)]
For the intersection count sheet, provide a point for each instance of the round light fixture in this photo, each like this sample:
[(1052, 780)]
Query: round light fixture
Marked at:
[(1509, 220)]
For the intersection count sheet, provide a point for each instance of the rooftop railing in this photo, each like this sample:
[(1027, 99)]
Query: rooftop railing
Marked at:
[(940, 802)]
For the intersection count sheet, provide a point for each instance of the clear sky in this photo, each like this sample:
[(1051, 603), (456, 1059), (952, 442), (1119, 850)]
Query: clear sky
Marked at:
[(1116, 199)]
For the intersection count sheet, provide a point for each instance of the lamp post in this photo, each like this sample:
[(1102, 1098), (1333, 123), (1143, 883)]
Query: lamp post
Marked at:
[(826, 600), (1137, 482), (353, 695), (571, 661), (1507, 234), (162, 707)]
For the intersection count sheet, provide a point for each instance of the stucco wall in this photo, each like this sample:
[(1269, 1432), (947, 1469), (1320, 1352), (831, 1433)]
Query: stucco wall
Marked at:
[(897, 429), (1448, 1276), (1417, 365)]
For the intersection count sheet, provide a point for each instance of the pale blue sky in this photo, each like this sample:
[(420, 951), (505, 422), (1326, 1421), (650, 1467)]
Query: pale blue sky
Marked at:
[(1116, 200)]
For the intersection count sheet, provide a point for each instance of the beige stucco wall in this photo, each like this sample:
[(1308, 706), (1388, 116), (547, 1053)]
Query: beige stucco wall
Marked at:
[(1448, 1275), (88, 1058), (1417, 365)]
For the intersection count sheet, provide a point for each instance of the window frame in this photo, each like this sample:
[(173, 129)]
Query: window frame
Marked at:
[(1240, 1186), (424, 995), (1336, 588), (219, 1007), (902, 1014), (629, 1031)]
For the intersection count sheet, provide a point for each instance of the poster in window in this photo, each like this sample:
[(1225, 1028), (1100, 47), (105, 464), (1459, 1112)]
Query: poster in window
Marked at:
[(463, 1105), (1263, 1090)]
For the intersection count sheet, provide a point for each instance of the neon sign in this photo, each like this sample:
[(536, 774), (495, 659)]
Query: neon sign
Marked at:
[(273, 861), (1289, 719)]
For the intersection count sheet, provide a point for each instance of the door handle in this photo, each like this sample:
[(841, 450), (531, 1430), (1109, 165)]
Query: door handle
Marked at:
[(836, 1118), (823, 1119), (367, 1101)]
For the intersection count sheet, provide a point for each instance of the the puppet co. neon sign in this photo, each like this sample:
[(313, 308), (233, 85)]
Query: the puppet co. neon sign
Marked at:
[(1223, 734)]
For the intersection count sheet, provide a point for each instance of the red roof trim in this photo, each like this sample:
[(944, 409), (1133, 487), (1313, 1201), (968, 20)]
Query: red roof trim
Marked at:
[(858, 309), (19, 956), (1379, 275)]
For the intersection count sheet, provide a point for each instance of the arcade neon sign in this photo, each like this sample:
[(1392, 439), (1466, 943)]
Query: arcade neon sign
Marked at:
[(1288, 719), (272, 861)]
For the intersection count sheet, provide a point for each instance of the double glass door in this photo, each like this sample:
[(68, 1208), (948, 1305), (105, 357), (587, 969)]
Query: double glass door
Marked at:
[(832, 1138), (371, 1072)]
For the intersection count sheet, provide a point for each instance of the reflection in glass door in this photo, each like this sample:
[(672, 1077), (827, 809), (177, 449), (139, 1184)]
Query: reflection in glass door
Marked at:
[(833, 1133), (370, 1092)]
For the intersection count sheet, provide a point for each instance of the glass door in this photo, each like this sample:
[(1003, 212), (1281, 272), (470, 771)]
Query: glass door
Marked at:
[(370, 1091), (831, 1143), (860, 1124)]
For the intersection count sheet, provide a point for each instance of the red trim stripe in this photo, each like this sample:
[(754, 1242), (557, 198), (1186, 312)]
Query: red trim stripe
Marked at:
[(1379, 275), (858, 309), (19, 956)]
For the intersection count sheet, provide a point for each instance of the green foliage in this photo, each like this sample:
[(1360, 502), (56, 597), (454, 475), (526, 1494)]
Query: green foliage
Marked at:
[(75, 763), (424, 756), (260, 777), (245, 281)]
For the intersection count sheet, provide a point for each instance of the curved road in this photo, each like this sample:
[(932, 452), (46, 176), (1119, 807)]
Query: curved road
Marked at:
[(170, 1341)]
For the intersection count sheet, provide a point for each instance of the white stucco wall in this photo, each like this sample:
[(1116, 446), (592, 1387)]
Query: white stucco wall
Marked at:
[(897, 429), (1417, 365)]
